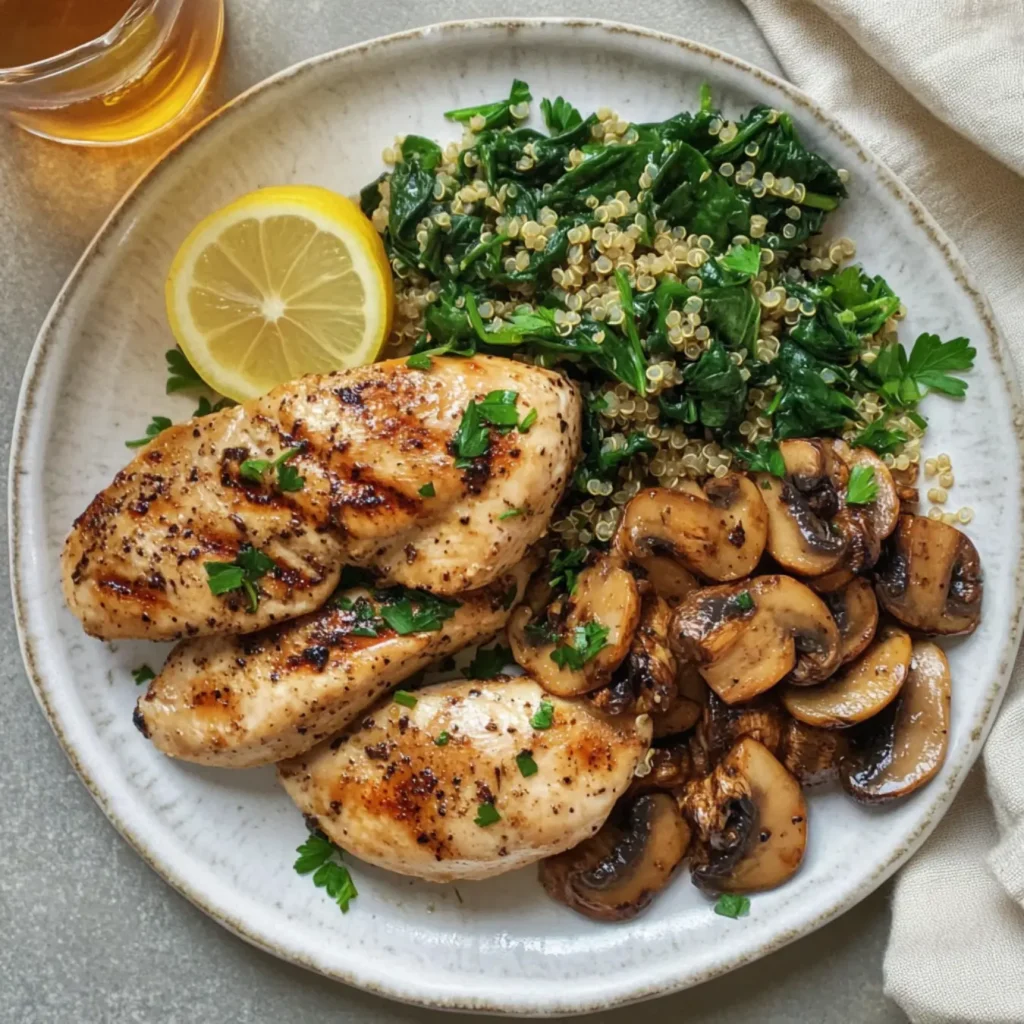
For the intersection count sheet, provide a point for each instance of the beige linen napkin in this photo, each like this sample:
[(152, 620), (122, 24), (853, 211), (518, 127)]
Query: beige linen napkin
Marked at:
[(936, 89)]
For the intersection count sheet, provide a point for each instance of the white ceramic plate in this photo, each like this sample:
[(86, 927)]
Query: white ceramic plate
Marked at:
[(226, 840)]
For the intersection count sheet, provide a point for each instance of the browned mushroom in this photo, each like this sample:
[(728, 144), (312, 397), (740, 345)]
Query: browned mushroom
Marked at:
[(856, 613), (723, 725), (666, 768), (750, 822), (685, 709), (801, 506), (745, 637), (606, 596), (832, 581), (931, 579), (614, 875), (669, 580), (904, 747), (884, 509), (858, 692), (718, 533), (811, 755)]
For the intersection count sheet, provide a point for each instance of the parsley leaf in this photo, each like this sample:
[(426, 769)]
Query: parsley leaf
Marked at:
[(559, 115), (744, 601), (731, 905), (181, 375), (143, 674), (317, 854), (405, 698), (879, 438), (765, 458), (526, 764), (587, 641), (905, 380), (365, 622), (744, 259), (510, 513), (544, 716), (863, 487), (471, 440), (565, 566), (204, 408), (442, 739), (415, 611), (427, 491), (288, 478), (157, 425), (488, 662), (528, 421), (499, 408), (249, 566), (419, 361), (486, 814)]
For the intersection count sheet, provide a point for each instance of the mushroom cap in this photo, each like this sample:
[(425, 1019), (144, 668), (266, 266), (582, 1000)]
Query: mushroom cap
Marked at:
[(931, 579), (718, 534), (801, 504), (723, 725), (614, 875), (750, 819), (745, 646), (669, 580), (605, 593), (860, 690), (811, 755), (904, 747), (856, 613)]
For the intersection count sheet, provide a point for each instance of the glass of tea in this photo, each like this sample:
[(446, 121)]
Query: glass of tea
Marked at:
[(105, 72)]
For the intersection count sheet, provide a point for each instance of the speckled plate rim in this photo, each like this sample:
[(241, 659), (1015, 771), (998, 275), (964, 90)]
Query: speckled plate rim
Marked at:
[(422, 993)]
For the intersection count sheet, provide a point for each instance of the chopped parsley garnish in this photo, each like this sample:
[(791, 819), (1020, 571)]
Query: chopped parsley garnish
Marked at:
[(743, 259), (415, 611), (486, 814), (157, 425), (471, 440), (318, 854), (863, 487), (499, 409), (731, 905), (204, 408), (526, 764), (587, 640), (442, 739), (419, 361), (427, 491), (544, 716), (743, 601), (565, 566), (764, 458), (541, 632), (527, 421), (366, 621), (510, 513), (879, 438), (488, 662), (181, 375), (143, 674), (405, 698), (288, 478), (249, 566)]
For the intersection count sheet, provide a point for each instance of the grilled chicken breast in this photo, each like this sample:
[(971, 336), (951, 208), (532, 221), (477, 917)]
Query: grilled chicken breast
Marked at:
[(388, 793), (372, 439), (241, 701)]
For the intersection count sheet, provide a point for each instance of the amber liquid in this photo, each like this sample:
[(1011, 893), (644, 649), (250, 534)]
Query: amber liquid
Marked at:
[(135, 87)]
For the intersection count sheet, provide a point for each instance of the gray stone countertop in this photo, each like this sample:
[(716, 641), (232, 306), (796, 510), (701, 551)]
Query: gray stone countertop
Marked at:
[(89, 932)]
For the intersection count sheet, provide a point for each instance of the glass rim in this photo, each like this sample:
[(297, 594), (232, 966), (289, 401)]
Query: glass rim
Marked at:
[(84, 51)]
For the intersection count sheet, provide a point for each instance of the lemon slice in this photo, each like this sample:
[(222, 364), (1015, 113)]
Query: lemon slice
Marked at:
[(283, 282)]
